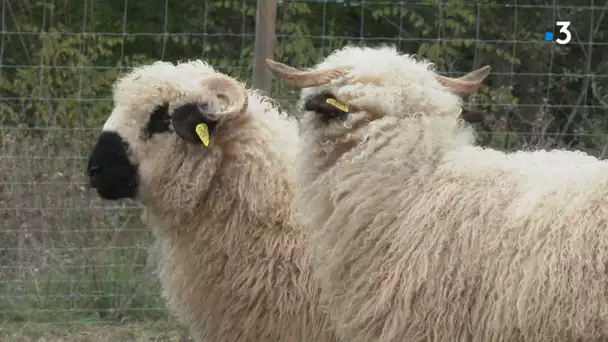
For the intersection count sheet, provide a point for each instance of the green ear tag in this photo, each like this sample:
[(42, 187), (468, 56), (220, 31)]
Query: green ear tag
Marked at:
[(341, 106), (203, 133)]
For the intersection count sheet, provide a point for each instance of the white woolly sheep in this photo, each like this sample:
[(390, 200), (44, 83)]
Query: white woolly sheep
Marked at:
[(419, 235), (232, 261)]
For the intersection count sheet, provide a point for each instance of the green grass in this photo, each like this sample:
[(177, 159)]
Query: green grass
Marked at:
[(66, 255), (160, 330), (117, 292)]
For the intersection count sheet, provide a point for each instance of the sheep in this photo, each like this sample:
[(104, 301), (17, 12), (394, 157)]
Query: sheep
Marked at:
[(421, 235), (208, 160)]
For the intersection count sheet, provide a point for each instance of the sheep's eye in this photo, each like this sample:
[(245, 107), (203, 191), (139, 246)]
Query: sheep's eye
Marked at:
[(159, 121)]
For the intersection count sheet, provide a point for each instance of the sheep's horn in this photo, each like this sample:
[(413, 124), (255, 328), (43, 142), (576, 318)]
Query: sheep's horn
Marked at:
[(468, 83), (304, 79)]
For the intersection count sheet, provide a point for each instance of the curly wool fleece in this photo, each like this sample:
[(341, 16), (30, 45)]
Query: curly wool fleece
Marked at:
[(419, 235)]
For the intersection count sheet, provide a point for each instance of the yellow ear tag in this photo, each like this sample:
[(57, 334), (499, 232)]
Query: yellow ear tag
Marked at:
[(203, 133), (459, 110), (335, 103)]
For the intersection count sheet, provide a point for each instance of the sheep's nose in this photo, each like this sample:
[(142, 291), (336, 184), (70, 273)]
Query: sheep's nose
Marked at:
[(94, 170)]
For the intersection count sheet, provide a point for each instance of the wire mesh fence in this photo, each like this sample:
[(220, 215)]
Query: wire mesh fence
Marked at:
[(65, 255)]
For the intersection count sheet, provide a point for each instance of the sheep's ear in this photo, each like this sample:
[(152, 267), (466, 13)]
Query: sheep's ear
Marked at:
[(471, 116), (327, 107), (197, 123), (192, 123), (231, 96), (467, 84)]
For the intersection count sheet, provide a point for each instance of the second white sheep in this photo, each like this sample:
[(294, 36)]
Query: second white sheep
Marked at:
[(420, 235)]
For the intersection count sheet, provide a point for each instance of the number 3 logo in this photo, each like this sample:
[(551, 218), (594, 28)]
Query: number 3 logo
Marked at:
[(564, 29)]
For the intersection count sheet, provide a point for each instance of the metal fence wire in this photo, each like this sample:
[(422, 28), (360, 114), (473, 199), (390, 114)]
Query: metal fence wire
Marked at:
[(66, 255)]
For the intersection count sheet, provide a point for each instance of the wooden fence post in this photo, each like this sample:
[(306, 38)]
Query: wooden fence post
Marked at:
[(265, 25)]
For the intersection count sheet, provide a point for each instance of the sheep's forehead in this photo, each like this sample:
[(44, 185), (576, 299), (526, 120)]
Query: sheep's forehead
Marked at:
[(160, 79), (116, 120), (127, 118), (370, 64), (383, 67), (138, 93)]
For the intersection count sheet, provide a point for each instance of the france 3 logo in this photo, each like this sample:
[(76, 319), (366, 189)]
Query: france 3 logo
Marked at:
[(564, 34)]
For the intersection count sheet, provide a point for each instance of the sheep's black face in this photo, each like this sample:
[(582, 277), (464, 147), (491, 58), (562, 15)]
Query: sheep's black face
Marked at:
[(109, 169)]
